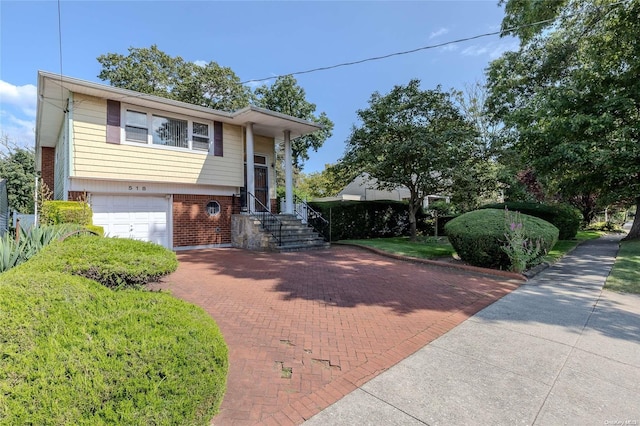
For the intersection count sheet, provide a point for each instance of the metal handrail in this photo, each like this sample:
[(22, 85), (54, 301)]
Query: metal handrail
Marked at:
[(268, 220), (310, 213)]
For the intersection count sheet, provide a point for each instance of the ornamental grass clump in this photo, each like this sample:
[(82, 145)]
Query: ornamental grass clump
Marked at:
[(522, 251)]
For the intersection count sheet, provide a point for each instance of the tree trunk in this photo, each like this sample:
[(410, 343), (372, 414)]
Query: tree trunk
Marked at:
[(634, 233), (412, 222)]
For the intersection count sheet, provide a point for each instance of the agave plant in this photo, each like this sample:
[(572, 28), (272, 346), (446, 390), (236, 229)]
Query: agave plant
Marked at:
[(31, 241), (9, 252)]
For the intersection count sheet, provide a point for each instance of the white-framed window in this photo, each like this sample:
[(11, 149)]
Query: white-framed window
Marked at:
[(201, 139), (162, 129), (213, 208), (135, 126)]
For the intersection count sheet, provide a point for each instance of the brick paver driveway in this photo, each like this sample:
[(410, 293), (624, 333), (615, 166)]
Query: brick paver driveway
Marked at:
[(305, 329)]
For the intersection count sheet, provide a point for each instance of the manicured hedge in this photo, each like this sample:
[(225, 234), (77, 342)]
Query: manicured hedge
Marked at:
[(478, 236), (564, 217), (76, 352), (56, 212), (113, 262), (365, 219)]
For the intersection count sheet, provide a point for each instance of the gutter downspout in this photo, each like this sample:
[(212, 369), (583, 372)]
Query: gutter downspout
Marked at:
[(68, 172)]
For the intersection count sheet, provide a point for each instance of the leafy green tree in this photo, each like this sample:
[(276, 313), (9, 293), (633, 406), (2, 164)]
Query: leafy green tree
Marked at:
[(572, 94), (411, 137), (326, 183), (152, 71), (287, 97), (476, 178), (17, 166)]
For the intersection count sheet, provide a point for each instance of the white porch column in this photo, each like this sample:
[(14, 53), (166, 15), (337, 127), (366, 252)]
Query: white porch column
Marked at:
[(251, 182), (288, 173)]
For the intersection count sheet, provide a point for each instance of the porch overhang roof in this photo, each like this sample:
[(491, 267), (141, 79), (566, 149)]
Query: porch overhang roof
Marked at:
[(54, 90)]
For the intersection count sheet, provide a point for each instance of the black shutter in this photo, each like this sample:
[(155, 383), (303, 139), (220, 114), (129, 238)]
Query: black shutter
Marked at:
[(217, 139), (113, 121)]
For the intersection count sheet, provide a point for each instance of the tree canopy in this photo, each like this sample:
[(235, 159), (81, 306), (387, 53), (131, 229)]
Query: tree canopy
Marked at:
[(326, 183), (152, 71), (17, 166), (287, 97), (572, 95), (410, 137), (149, 70)]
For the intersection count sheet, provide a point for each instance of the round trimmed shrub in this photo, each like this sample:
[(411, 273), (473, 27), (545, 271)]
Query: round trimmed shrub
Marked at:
[(76, 352), (563, 216), (479, 236), (113, 262)]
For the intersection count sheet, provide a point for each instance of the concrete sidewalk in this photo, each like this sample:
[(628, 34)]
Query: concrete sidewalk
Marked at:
[(558, 350)]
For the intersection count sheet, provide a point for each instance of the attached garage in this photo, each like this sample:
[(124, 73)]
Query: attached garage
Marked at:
[(143, 218)]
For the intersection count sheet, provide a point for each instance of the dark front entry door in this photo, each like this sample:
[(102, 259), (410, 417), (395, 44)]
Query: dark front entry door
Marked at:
[(261, 184), (262, 188)]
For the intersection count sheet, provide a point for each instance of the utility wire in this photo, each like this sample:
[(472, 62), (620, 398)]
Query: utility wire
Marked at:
[(406, 52)]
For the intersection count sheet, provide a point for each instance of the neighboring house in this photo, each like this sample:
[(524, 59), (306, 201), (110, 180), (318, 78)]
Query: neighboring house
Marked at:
[(4, 207), (156, 169), (364, 188)]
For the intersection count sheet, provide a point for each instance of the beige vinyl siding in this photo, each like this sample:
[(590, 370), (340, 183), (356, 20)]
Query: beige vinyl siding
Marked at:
[(94, 158)]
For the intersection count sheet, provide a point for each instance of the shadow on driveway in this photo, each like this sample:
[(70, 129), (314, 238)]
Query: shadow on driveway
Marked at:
[(304, 329)]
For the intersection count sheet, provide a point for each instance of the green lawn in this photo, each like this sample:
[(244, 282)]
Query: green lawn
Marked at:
[(424, 247), (431, 247), (625, 275)]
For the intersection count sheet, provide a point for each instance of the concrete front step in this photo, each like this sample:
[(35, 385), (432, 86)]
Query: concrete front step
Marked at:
[(302, 247), (294, 236)]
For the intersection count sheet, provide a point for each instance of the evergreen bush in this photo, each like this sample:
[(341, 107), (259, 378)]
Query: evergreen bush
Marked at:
[(563, 216), (365, 219), (76, 352), (55, 212), (479, 237), (113, 262)]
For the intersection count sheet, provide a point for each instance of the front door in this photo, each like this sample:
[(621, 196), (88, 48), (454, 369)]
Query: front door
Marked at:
[(261, 184)]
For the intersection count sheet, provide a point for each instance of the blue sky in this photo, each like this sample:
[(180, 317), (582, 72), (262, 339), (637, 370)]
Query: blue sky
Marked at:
[(256, 40)]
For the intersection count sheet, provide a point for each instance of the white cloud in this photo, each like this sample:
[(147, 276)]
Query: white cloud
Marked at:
[(200, 63), (475, 50), (492, 49), (449, 47), (23, 97), (18, 130), (438, 33)]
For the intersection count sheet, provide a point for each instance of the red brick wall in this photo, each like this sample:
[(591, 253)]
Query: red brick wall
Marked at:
[(193, 227), (274, 205), (47, 166)]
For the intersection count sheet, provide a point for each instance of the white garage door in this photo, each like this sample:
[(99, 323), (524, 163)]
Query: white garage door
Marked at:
[(140, 218)]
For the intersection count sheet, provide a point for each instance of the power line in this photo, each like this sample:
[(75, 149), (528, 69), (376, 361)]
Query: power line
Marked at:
[(406, 52)]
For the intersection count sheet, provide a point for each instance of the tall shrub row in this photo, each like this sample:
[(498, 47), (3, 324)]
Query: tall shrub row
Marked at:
[(364, 219), (564, 217)]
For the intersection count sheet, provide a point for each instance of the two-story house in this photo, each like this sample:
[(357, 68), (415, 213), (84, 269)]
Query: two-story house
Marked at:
[(157, 169)]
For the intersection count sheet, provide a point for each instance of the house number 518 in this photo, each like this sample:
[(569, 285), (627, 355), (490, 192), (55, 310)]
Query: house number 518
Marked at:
[(137, 188)]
